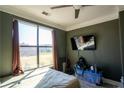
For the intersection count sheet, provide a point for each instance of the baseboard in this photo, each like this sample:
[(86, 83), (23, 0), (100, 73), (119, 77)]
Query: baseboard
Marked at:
[(112, 82)]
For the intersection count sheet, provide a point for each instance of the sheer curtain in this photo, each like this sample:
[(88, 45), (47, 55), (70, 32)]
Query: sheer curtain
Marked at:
[(16, 65)]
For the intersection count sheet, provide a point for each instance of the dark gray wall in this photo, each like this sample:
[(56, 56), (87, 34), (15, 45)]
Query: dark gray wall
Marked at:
[(61, 41), (0, 46), (121, 17), (107, 53), (6, 24), (6, 54)]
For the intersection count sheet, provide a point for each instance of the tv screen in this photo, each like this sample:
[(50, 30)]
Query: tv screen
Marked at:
[(83, 42), (73, 43)]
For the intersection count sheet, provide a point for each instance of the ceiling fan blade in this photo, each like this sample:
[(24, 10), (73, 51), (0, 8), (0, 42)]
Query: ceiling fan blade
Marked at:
[(61, 6), (86, 5), (77, 13)]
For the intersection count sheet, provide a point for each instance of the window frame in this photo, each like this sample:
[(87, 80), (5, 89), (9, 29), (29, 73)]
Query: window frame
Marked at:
[(37, 46)]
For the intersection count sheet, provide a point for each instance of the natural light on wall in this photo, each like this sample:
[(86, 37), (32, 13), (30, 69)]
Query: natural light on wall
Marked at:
[(35, 45)]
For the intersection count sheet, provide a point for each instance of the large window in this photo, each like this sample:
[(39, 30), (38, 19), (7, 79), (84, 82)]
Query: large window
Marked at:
[(35, 45)]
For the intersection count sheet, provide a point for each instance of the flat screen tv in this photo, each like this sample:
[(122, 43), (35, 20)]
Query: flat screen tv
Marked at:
[(83, 42)]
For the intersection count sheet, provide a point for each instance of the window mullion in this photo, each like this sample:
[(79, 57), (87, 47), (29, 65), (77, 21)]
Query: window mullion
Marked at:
[(37, 45)]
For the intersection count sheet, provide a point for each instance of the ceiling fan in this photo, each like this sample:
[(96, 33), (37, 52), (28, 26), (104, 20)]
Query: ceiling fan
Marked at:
[(76, 7)]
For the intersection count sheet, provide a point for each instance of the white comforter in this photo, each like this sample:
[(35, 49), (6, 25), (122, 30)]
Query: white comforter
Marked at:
[(42, 78), (53, 78)]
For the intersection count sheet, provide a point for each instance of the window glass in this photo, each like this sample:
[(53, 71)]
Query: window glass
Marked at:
[(45, 56), (28, 57), (27, 34), (45, 36)]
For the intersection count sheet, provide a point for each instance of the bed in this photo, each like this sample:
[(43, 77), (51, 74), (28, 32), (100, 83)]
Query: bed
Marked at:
[(57, 79), (42, 78)]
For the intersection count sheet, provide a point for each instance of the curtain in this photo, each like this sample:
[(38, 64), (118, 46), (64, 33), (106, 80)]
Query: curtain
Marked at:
[(55, 51), (16, 65)]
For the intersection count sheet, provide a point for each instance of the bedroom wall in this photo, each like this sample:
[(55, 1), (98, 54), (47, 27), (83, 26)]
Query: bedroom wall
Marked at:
[(61, 45), (6, 24), (107, 53), (0, 46), (121, 16), (61, 38)]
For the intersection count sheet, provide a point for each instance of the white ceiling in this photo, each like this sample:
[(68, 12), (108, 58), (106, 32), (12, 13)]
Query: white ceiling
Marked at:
[(63, 18)]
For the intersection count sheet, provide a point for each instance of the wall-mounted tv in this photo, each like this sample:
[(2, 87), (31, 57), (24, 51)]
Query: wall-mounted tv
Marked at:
[(87, 42)]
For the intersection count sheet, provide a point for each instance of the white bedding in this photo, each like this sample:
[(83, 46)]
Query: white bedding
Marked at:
[(57, 79), (42, 78)]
